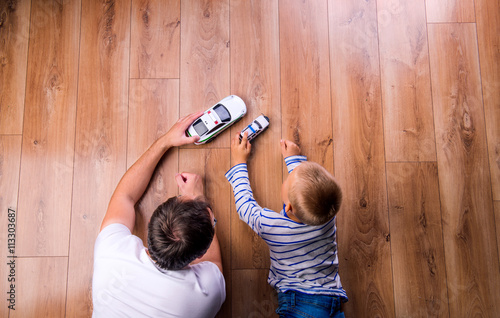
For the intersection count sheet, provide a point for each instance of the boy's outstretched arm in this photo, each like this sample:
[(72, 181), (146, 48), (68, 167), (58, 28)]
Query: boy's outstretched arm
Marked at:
[(246, 206)]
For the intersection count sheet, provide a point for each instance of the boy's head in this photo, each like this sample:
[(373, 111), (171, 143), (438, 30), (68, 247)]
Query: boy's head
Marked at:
[(180, 230), (312, 194)]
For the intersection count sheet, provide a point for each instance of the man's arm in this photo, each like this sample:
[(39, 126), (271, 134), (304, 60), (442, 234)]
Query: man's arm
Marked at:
[(191, 187), (135, 181), (213, 254)]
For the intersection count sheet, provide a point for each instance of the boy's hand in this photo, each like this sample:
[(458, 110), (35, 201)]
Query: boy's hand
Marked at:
[(190, 184), (240, 151), (289, 148)]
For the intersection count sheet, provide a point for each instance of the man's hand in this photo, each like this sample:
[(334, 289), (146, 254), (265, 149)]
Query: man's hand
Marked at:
[(240, 150), (133, 184), (289, 148), (190, 184), (176, 136)]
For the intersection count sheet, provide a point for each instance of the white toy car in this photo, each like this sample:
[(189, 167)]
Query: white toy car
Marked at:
[(217, 118), (260, 124)]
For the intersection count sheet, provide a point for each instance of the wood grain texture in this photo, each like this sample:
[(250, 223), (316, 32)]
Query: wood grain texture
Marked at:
[(496, 206), (253, 296), (464, 180), (49, 130), (255, 78), (363, 225), (153, 109), (155, 39), (211, 165), (14, 35), (405, 80), (488, 38), (204, 58), (47, 299), (442, 11), (101, 139), (261, 50), (417, 240), (305, 82), (10, 162)]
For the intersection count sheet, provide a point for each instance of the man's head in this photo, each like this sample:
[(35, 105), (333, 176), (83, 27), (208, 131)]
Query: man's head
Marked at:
[(180, 231), (312, 194)]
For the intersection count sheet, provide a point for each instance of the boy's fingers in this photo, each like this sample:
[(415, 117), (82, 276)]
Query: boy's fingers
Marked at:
[(244, 140), (235, 139), (283, 144)]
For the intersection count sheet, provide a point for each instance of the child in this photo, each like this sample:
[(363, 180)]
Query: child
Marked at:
[(301, 238)]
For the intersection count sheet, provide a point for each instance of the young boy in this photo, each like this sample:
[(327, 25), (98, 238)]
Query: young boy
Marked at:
[(301, 238)]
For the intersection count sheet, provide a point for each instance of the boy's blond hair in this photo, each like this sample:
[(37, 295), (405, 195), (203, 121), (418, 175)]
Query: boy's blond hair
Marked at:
[(314, 195)]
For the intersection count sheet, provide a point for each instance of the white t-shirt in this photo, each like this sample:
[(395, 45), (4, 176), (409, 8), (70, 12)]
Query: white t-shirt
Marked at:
[(126, 282)]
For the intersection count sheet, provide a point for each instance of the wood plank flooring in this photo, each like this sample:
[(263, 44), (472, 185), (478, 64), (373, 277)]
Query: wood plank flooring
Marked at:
[(399, 99), (14, 36)]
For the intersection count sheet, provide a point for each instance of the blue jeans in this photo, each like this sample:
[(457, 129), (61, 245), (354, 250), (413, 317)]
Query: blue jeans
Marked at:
[(292, 304)]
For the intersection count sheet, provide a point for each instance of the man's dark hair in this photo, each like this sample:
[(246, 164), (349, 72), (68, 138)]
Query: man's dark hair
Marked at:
[(179, 232)]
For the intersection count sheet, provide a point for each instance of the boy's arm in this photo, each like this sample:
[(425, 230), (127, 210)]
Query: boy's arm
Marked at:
[(246, 206), (291, 153), (248, 209), (293, 161)]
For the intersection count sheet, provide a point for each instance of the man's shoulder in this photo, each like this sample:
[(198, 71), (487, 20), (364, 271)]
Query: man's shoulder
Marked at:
[(113, 228), (206, 267), (115, 237)]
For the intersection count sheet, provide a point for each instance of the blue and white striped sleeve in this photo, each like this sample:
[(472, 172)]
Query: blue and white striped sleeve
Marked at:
[(293, 161), (246, 206)]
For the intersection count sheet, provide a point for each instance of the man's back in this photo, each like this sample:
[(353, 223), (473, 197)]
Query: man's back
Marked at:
[(127, 283)]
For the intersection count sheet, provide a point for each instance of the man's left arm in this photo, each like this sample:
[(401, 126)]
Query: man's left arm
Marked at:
[(135, 181)]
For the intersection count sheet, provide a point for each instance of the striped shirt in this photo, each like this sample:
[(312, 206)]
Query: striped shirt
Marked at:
[(303, 257)]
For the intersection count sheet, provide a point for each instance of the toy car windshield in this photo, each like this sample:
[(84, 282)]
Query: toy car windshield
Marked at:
[(222, 112), (200, 127)]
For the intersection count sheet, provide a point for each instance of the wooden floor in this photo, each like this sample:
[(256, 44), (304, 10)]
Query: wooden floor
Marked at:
[(399, 99)]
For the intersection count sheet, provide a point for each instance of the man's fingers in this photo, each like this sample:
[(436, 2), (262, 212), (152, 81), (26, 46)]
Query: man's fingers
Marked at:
[(189, 119), (179, 179), (193, 139), (193, 116)]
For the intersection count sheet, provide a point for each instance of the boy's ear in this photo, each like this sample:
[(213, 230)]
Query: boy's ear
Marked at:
[(288, 207)]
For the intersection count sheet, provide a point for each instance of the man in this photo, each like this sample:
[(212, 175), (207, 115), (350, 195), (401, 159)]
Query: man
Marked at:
[(180, 273)]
